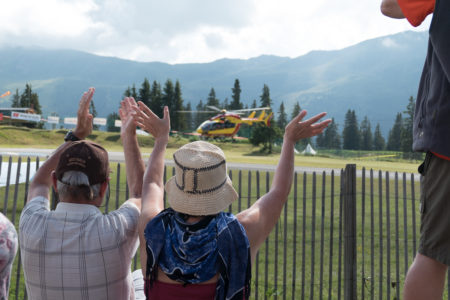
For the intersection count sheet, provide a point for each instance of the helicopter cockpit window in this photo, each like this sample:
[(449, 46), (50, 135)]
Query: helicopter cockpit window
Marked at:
[(217, 126), (229, 125), (207, 127)]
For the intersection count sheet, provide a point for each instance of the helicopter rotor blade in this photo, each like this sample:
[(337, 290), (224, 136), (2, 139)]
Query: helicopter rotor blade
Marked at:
[(213, 108), (251, 109), (196, 111)]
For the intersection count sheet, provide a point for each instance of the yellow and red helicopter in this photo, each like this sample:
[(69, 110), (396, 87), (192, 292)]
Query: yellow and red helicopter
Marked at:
[(228, 123)]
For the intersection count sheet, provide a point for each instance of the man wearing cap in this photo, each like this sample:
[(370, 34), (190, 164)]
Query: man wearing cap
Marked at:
[(194, 250), (75, 251)]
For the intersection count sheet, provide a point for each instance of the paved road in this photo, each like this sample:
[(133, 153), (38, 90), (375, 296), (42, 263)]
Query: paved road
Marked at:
[(119, 157)]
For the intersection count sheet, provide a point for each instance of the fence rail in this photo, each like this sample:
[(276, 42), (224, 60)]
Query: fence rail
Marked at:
[(340, 236)]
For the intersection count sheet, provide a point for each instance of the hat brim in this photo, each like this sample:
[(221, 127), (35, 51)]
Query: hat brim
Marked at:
[(200, 204)]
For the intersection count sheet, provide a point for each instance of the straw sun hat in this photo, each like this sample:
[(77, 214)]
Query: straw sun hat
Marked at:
[(201, 185)]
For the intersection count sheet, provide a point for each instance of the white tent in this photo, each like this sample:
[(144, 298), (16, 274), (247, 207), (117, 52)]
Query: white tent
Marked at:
[(309, 150)]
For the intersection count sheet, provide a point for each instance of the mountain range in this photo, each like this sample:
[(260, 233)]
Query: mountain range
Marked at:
[(375, 78)]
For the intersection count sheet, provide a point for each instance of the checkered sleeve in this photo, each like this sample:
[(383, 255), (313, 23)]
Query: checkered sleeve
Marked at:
[(129, 215), (35, 205)]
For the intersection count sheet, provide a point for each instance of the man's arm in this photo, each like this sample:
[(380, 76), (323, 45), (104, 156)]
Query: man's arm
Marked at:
[(42, 181), (153, 185), (390, 8), (133, 160), (261, 217)]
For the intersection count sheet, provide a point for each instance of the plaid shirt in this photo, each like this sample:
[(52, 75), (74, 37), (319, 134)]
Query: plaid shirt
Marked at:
[(76, 252)]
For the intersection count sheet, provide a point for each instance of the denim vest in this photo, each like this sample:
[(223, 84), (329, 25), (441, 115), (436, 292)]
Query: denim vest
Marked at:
[(432, 112)]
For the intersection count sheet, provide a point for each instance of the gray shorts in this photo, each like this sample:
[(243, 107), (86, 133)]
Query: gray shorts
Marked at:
[(435, 208)]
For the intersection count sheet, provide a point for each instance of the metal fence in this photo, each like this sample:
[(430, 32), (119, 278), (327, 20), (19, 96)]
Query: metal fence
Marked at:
[(340, 236)]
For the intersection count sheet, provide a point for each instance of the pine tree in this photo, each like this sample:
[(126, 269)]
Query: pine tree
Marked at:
[(350, 133), (366, 135), (225, 105), (332, 137), (296, 110), (178, 106), (189, 120), (265, 135), (378, 139), (93, 111), (395, 134), (127, 92), (212, 101), (236, 96), (254, 105), (29, 99), (282, 117), (408, 123), (133, 92), (303, 142), (34, 103), (156, 101), (144, 92), (199, 117), (168, 99), (321, 141), (16, 99), (265, 97), (111, 122)]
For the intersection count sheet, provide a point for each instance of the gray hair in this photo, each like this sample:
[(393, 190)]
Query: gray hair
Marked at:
[(75, 184)]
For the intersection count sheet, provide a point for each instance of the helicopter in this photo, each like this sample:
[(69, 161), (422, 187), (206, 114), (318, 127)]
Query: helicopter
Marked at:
[(228, 123)]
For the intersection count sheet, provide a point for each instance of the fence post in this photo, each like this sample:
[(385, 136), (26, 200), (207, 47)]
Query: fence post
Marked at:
[(349, 194)]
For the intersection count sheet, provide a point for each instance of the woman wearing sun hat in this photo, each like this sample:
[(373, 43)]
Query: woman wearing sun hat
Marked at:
[(194, 250)]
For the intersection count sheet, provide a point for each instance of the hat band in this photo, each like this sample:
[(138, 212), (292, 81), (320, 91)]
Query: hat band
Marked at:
[(195, 179)]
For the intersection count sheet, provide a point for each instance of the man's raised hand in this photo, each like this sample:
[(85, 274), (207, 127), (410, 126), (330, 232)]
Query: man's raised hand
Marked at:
[(84, 118), (151, 123), (127, 109)]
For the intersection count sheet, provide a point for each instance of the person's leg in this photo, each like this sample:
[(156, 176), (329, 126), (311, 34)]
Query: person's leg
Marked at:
[(425, 279)]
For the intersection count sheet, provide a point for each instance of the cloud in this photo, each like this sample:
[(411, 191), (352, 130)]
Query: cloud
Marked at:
[(178, 31), (389, 43)]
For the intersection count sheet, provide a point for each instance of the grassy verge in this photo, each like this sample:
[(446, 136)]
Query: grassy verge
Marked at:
[(240, 152)]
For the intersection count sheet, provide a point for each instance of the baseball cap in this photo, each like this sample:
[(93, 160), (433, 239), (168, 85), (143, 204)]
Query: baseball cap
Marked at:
[(86, 157)]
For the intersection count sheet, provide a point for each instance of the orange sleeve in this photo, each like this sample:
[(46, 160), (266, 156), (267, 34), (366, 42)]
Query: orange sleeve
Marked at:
[(416, 11)]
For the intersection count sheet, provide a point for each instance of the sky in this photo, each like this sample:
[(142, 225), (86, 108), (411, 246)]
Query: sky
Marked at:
[(194, 31)]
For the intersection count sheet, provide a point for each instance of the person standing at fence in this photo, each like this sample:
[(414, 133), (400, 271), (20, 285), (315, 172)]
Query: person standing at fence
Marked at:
[(194, 250), (8, 250), (426, 276), (76, 251)]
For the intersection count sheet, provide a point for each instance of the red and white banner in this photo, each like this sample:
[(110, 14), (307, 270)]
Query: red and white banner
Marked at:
[(53, 120), (26, 117), (118, 123), (1, 117), (100, 121), (71, 121)]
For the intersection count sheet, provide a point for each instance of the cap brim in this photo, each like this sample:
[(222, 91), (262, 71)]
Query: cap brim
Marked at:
[(200, 204)]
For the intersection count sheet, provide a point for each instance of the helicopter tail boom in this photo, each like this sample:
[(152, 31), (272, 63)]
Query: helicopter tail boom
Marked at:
[(268, 118), (263, 117)]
